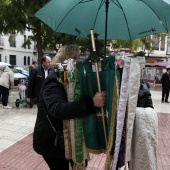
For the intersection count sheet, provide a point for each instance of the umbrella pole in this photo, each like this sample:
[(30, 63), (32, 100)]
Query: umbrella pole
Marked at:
[(98, 83), (106, 21)]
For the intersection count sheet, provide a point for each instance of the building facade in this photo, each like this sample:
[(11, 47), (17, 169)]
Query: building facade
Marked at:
[(11, 50), (161, 50)]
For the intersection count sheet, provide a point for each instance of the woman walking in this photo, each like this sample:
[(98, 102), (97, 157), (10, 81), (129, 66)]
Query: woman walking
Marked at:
[(6, 83)]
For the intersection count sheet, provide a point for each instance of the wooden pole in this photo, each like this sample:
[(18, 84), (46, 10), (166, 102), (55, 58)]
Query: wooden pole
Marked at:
[(98, 83)]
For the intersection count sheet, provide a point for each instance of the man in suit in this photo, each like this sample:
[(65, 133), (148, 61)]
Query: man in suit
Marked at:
[(165, 85), (37, 77)]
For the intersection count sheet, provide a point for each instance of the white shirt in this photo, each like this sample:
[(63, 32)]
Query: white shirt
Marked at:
[(46, 73)]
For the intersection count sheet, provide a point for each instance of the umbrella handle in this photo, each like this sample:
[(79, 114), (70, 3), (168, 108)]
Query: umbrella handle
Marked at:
[(92, 40)]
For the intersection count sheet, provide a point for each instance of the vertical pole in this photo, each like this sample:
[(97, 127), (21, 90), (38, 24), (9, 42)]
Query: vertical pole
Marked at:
[(99, 87), (106, 21)]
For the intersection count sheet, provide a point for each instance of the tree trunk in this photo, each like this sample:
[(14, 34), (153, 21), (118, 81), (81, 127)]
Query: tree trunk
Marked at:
[(39, 43)]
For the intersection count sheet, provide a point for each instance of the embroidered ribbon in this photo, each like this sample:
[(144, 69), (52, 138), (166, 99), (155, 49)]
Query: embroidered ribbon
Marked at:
[(121, 113), (76, 127), (112, 134), (134, 83), (72, 129)]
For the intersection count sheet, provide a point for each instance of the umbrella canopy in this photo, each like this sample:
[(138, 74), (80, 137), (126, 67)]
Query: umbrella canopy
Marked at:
[(111, 19)]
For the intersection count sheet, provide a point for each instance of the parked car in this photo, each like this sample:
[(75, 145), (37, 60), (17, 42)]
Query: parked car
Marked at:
[(17, 76), (22, 71)]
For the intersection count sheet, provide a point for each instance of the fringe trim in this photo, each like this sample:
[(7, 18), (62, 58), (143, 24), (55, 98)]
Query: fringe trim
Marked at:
[(77, 167), (112, 124), (96, 151), (67, 139)]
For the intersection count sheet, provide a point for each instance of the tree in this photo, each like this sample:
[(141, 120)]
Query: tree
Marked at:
[(18, 16), (133, 45), (149, 44)]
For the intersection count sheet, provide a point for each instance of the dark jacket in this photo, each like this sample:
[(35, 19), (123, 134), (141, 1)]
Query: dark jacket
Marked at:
[(55, 102), (165, 80), (36, 79)]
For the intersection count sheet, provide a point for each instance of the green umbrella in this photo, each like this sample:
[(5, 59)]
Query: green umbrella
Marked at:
[(110, 19)]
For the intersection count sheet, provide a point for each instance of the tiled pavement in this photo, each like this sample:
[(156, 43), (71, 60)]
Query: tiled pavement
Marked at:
[(16, 126)]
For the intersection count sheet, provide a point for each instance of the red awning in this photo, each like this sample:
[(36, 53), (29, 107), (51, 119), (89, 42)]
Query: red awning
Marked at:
[(158, 64)]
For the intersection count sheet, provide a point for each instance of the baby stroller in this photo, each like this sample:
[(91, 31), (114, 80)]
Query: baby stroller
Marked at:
[(22, 86)]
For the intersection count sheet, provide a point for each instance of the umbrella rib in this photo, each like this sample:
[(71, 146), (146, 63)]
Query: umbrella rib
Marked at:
[(66, 15), (101, 4), (82, 1), (125, 19), (155, 14)]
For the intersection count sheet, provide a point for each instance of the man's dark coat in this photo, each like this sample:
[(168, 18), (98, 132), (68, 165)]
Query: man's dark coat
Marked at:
[(36, 79), (165, 81)]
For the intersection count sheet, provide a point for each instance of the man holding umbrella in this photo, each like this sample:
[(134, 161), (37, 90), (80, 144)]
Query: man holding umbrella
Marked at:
[(165, 85)]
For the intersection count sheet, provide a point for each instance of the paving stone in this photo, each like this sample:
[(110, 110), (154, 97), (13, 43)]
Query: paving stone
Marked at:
[(16, 127)]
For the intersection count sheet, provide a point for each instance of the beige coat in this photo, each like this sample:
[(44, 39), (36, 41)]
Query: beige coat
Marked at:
[(7, 77)]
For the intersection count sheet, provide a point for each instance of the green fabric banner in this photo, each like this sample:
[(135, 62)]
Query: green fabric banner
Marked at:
[(92, 124)]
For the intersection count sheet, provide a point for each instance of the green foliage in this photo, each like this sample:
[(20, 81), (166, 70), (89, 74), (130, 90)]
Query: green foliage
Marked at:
[(18, 16), (133, 45)]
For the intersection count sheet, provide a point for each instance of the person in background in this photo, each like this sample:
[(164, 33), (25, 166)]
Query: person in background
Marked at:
[(37, 77), (0, 91), (54, 103), (6, 83), (34, 64), (165, 80)]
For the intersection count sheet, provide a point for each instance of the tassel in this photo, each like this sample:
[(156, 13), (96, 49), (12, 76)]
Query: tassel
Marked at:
[(107, 164), (65, 78), (74, 166), (80, 167), (125, 167), (70, 166)]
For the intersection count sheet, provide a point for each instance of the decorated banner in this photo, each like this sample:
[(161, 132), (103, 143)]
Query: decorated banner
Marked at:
[(92, 125)]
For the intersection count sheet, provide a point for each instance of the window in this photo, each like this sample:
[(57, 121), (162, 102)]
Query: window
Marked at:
[(1, 41), (156, 42), (29, 42), (12, 59), (28, 61), (162, 44), (25, 62), (12, 41), (25, 39)]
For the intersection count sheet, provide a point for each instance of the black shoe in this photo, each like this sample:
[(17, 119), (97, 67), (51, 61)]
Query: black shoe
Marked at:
[(162, 101), (166, 101)]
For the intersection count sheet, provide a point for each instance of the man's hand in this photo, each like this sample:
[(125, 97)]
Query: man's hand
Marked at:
[(99, 99)]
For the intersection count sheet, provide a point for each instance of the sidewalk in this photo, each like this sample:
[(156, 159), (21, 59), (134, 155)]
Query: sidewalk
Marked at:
[(16, 126)]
